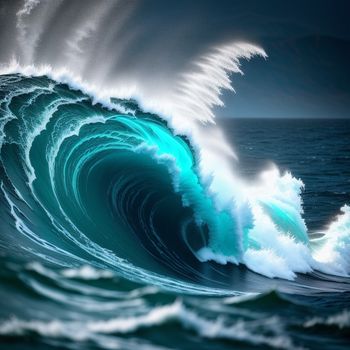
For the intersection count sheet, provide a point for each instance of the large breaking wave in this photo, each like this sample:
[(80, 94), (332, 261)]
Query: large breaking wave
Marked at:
[(119, 195), (91, 178)]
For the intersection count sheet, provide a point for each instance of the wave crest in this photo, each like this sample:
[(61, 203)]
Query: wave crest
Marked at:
[(112, 185)]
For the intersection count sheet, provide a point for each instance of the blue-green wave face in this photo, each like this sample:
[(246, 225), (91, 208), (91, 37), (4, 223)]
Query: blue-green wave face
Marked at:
[(84, 183), (117, 188)]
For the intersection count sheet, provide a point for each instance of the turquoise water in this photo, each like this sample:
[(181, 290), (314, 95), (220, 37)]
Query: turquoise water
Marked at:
[(104, 211)]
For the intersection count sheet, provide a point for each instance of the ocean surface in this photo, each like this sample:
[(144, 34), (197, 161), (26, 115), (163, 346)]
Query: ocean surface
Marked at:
[(98, 243)]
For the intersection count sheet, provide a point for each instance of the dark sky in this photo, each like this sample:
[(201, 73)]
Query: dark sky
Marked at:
[(307, 72)]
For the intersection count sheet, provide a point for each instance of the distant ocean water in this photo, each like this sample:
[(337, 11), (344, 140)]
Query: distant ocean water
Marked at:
[(60, 290), (314, 150)]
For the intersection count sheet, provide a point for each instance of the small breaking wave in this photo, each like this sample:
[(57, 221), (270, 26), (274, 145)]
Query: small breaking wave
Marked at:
[(243, 331)]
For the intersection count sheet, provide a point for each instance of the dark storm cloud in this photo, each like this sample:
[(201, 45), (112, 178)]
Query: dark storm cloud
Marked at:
[(306, 73)]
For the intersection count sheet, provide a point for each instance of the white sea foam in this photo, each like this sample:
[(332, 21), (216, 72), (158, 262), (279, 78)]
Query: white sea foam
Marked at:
[(334, 251), (240, 330), (87, 272), (340, 320)]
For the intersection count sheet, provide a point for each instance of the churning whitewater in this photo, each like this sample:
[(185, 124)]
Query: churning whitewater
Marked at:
[(121, 183)]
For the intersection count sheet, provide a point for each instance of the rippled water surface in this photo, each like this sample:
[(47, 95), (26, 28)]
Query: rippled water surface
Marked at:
[(66, 282)]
